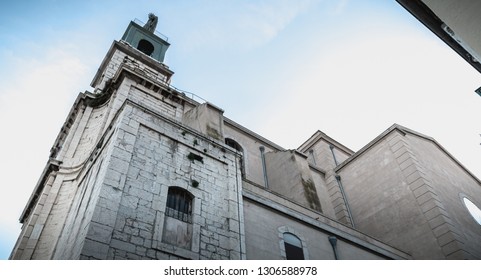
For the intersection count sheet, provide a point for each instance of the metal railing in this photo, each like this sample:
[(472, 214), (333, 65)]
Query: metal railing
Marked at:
[(136, 67), (157, 33)]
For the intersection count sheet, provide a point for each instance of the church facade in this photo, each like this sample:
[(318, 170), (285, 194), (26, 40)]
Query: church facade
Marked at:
[(141, 171)]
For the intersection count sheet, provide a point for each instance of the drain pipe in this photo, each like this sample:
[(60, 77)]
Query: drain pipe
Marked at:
[(239, 199), (333, 241), (333, 154), (341, 187), (266, 182), (311, 151)]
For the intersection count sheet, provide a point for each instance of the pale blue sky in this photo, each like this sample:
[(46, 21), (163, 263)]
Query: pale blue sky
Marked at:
[(284, 69)]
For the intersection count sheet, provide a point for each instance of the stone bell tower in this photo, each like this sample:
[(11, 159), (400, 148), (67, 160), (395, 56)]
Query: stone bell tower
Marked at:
[(138, 170)]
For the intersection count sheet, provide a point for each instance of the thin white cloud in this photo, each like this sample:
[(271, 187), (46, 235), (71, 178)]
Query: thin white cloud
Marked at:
[(340, 6), (243, 25), (267, 18)]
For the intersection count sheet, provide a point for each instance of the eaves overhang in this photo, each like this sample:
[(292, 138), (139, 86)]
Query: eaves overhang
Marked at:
[(427, 17)]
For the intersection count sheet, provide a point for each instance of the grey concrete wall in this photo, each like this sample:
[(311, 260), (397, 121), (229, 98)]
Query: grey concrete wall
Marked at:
[(451, 183), (382, 189)]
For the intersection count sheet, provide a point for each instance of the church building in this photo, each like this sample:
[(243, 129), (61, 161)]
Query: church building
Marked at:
[(140, 170)]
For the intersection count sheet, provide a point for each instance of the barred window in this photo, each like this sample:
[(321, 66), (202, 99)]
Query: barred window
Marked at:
[(179, 204)]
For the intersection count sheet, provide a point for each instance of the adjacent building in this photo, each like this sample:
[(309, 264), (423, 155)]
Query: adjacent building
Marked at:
[(456, 22)]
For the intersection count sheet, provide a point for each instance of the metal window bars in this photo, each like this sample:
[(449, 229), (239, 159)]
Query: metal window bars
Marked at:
[(179, 205)]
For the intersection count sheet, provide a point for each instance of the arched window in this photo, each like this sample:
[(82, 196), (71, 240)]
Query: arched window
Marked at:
[(233, 144), (145, 47), (179, 204), (293, 247), (178, 226)]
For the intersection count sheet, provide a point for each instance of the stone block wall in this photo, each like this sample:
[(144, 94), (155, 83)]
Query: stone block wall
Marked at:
[(151, 154)]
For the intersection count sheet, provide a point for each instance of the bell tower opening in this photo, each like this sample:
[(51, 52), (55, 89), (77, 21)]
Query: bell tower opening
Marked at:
[(144, 38), (145, 47)]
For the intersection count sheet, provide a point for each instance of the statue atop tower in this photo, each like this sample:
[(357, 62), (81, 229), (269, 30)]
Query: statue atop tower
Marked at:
[(151, 23)]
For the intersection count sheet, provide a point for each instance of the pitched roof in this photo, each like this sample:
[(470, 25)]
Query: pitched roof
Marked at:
[(403, 130)]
